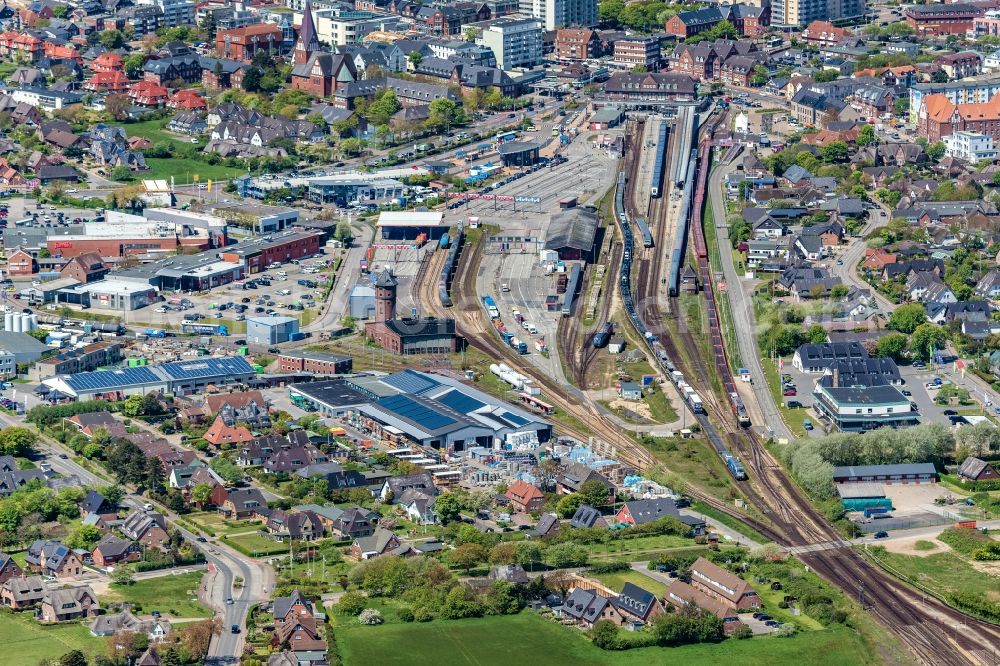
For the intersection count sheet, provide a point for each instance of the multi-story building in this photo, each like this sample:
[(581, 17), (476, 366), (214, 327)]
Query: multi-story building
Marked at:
[(973, 91), (942, 19), (650, 89), (85, 359), (556, 14), (317, 363), (633, 52), (749, 20), (970, 146), (339, 28), (987, 24), (242, 43), (803, 12), (960, 65), (578, 44), (515, 42), (940, 117), (174, 12)]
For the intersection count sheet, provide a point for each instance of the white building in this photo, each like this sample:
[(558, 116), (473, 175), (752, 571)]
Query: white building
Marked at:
[(339, 30), (175, 12), (515, 42), (45, 99), (556, 14), (991, 63), (970, 146)]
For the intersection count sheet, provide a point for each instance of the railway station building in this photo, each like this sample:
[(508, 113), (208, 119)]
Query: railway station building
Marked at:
[(519, 153), (572, 233)]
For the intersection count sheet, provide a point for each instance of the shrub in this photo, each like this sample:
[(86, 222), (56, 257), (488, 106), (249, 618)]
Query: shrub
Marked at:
[(351, 604), (422, 614), (370, 616), (610, 567), (785, 631), (743, 632), (406, 614)]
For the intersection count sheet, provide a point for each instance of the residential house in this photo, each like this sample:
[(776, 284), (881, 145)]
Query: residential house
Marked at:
[(353, 523), (587, 517), (336, 477), (723, 585), (976, 469), (393, 487), (682, 595), (524, 496), (380, 542), (295, 525), (299, 632), (147, 528), (574, 475), (287, 609), (52, 558), (637, 606), (94, 503), (288, 460), (115, 623), (22, 592), (640, 512), (511, 573), (91, 423), (219, 433), (71, 603), (85, 268), (587, 608), (9, 568), (244, 503), (548, 525), (111, 550)]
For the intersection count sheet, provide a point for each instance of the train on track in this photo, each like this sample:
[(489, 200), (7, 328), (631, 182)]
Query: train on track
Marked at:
[(742, 417), (655, 345), (450, 265), (602, 336), (660, 162), (572, 286), (647, 235)]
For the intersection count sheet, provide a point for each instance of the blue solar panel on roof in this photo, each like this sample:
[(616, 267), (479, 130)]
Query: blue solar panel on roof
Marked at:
[(207, 367), (460, 402), (409, 381), (514, 418), (408, 408), (104, 379)]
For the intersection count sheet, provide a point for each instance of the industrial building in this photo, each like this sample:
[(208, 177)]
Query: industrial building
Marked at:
[(267, 219), (73, 361), (198, 272), (17, 347), (428, 410), (257, 254), (362, 301), (177, 378), (317, 363), (572, 233), (407, 225), (347, 188), (271, 330), (115, 295), (888, 474)]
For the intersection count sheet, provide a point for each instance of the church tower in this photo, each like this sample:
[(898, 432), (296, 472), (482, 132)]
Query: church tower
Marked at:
[(307, 43)]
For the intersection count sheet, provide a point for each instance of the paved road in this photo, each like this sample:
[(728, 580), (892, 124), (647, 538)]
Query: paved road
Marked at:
[(741, 305), (336, 305), (847, 271)]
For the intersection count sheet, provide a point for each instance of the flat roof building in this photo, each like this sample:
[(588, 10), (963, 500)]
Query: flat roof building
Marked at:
[(409, 224), (572, 233), (905, 473)]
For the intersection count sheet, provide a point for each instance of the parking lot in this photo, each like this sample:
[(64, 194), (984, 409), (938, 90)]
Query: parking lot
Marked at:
[(292, 289)]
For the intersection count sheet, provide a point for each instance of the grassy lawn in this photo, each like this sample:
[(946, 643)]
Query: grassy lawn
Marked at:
[(184, 170), (639, 545), (254, 544), (488, 642), (220, 525), (943, 573), (171, 595), (729, 522), (793, 417), (696, 461), (155, 131), (27, 642), (616, 580)]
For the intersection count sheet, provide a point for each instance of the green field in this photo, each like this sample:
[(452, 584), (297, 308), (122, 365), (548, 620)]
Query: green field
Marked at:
[(27, 642), (154, 131), (616, 580), (171, 595), (635, 548), (256, 545), (944, 573), (219, 525), (528, 639), (184, 170), (694, 460)]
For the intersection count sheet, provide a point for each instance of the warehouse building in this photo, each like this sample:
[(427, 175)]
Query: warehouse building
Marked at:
[(407, 225), (906, 474), (257, 254), (18, 348), (178, 378), (115, 295), (198, 272), (572, 233), (271, 330), (267, 219), (347, 188), (519, 153), (431, 411)]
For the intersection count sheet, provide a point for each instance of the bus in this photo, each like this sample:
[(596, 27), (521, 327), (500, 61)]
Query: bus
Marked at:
[(504, 137)]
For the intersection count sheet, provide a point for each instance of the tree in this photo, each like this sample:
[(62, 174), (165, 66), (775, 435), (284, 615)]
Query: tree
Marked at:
[(448, 507), (155, 475), (503, 599), (891, 346), (132, 406), (252, 79), (826, 75), (225, 468), (935, 151), (503, 553), (201, 493), (196, 636), (351, 603), (528, 553), (134, 64), (906, 318), (443, 113), (839, 292), (760, 76), (467, 556), (111, 39), (351, 146), (122, 576), (493, 98), (835, 151), (940, 76), (114, 494), (415, 59), (343, 233), (121, 173), (925, 339), (17, 441), (605, 635), (564, 555), (84, 536), (568, 505), (75, 657), (594, 493), (816, 334), (867, 136)]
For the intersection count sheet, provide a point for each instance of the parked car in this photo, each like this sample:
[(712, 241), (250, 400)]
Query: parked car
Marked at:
[(790, 391), (807, 424), (794, 404), (881, 534)]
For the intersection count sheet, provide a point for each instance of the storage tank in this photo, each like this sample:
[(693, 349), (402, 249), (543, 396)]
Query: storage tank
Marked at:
[(34, 322), (8, 322), (17, 324), (26, 323)]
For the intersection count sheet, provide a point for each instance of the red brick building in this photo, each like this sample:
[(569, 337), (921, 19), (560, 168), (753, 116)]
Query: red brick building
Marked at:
[(824, 33), (641, 52), (108, 62), (721, 584), (524, 496), (578, 44), (317, 363), (280, 248), (942, 19), (9, 568), (20, 262), (111, 550), (939, 117), (242, 43), (407, 336)]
